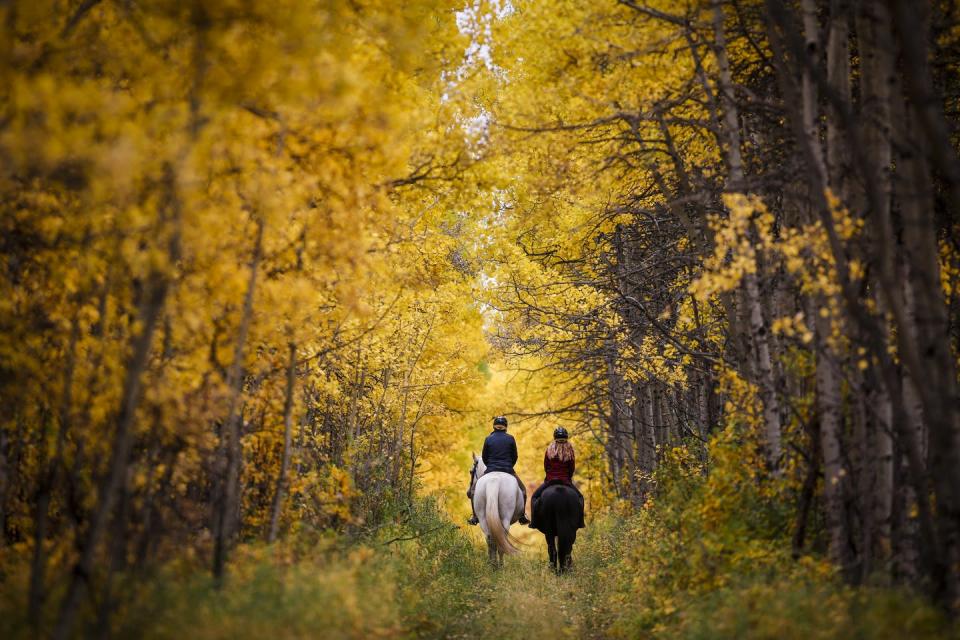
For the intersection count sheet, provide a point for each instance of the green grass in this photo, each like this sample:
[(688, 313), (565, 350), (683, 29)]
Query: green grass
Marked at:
[(424, 577)]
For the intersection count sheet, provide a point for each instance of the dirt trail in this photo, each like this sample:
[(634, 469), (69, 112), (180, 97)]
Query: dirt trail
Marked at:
[(525, 599)]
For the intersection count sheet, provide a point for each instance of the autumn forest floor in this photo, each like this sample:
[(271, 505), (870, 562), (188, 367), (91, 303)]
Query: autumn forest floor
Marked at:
[(422, 575), (526, 600)]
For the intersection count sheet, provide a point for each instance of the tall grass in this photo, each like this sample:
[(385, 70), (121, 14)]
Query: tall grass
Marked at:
[(420, 576)]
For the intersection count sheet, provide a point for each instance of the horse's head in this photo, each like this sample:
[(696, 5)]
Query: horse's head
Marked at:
[(476, 471)]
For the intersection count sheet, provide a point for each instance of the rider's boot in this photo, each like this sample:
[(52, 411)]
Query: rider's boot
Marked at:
[(523, 492), (473, 521)]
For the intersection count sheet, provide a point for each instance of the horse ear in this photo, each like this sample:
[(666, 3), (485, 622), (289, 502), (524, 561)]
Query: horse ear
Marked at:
[(474, 456)]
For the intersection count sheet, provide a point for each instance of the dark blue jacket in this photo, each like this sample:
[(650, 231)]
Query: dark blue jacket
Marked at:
[(499, 452)]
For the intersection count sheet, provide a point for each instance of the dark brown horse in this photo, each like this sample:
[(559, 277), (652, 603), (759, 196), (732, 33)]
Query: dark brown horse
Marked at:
[(558, 513)]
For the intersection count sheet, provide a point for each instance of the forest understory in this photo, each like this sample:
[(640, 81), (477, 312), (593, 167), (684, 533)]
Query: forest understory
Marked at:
[(427, 577)]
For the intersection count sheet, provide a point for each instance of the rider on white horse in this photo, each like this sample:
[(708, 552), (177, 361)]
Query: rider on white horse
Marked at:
[(500, 454)]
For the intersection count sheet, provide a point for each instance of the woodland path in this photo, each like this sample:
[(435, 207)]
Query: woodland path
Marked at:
[(526, 600)]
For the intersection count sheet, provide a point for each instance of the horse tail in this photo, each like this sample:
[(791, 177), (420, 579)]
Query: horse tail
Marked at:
[(566, 522), (494, 523)]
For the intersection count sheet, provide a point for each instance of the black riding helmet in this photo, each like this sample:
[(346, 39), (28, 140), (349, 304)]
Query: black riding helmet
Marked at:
[(560, 434), (500, 421)]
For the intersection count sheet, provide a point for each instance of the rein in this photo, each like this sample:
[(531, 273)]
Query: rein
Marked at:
[(473, 478)]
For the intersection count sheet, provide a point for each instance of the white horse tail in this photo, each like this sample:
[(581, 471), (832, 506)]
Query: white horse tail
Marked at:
[(494, 524)]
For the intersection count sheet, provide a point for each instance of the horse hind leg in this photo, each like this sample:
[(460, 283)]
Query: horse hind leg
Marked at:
[(565, 552), (492, 551), (551, 549)]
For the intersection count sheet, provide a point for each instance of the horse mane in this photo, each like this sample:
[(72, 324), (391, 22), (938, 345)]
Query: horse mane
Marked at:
[(479, 466)]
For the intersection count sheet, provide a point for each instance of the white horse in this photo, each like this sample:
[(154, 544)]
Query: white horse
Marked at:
[(498, 503)]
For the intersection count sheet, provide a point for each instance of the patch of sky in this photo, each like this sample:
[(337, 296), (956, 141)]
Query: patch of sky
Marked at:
[(476, 21)]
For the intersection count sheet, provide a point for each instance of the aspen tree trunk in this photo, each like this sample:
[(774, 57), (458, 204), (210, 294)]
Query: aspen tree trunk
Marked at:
[(666, 415), (906, 561), (878, 78), (401, 426), (838, 78), (827, 384), (387, 446), (228, 513), (117, 558), (881, 455), (861, 484), (41, 514), (615, 438), (4, 485), (808, 89), (407, 380), (644, 445), (650, 419), (707, 396), (911, 394), (630, 451), (610, 445), (877, 502), (938, 392), (280, 490), (807, 491), (751, 287), (728, 102), (904, 543), (658, 425), (640, 444), (734, 163), (674, 400), (834, 474), (874, 334), (637, 450), (905, 534), (923, 338), (703, 407), (910, 19), (48, 480), (413, 447), (158, 284), (150, 508)]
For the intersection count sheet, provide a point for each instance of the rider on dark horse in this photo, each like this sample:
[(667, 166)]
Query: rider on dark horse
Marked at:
[(500, 454), (559, 463)]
